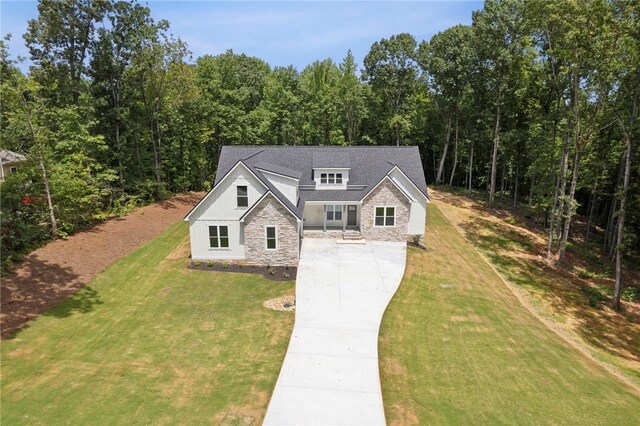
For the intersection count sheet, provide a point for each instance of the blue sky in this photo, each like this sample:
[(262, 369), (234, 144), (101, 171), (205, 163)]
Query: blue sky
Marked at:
[(281, 33)]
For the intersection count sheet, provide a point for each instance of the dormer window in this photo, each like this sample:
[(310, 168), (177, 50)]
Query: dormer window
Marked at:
[(331, 178)]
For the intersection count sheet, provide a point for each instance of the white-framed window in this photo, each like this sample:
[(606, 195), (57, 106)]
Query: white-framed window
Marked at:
[(385, 216), (331, 178), (242, 196), (218, 236), (334, 212), (271, 237), (13, 170)]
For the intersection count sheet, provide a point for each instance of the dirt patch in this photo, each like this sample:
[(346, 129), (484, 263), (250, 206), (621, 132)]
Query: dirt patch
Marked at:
[(52, 273), (285, 303), (274, 273)]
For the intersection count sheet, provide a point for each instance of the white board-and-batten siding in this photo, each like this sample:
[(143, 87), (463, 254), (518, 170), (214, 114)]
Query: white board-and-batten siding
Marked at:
[(418, 210), (220, 208), (287, 186)]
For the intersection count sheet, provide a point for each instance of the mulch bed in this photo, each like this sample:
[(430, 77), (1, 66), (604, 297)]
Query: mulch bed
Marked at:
[(274, 273), (53, 273)]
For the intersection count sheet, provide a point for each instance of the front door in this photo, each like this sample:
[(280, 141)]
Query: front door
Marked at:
[(352, 215)]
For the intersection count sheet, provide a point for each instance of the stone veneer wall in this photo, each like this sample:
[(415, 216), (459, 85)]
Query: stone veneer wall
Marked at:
[(386, 194), (271, 212)]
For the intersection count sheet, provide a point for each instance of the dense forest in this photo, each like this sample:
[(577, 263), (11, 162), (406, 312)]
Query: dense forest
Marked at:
[(535, 102)]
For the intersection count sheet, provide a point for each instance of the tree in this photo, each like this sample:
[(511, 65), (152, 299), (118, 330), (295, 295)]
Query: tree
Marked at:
[(501, 44), (351, 99), (112, 55), (59, 41), (391, 70), (448, 61)]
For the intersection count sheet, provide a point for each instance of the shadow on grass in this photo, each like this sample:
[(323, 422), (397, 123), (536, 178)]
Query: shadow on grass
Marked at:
[(566, 293), (82, 302), (38, 287)]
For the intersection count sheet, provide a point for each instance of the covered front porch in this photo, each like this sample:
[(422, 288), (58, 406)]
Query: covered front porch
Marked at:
[(331, 218)]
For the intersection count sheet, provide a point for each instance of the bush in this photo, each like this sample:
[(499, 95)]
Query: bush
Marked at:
[(210, 264), (630, 294), (595, 295), (196, 263), (225, 265)]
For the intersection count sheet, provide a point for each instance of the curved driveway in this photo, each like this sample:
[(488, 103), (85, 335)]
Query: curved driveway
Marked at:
[(330, 373)]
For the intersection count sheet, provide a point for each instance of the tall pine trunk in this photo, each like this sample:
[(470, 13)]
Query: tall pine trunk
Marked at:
[(620, 233), (494, 159), (444, 153), (570, 203), (471, 166), (455, 154)]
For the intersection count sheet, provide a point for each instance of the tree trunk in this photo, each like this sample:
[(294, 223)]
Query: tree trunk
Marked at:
[(620, 234), (569, 211), (45, 180), (494, 159), (43, 171), (444, 153), (515, 187), (592, 202), (563, 189), (119, 155), (558, 196), (531, 187), (471, 166), (455, 154)]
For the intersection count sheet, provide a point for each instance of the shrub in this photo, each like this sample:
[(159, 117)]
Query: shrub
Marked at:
[(197, 263), (286, 275), (630, 294), (272, 272), (225, 265), (595, 295), (210, 264)]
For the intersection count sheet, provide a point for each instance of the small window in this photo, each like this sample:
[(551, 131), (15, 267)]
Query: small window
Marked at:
[(243, 197), (339, 178), (385, 216), (334, 212), (329, 212), (13, 170), (218, 236), (323, 178), (272, 243), (332, 179)]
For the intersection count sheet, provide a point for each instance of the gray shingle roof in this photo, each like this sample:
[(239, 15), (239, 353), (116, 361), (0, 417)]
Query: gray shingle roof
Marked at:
[(331, 159), (369, 165), (279, 169)]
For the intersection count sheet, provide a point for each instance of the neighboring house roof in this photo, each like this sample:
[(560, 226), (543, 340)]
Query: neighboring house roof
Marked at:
[(368, 166), (10, 156)]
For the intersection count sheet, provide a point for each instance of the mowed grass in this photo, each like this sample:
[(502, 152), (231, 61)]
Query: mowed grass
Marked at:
[(150, 342), (456, 347)]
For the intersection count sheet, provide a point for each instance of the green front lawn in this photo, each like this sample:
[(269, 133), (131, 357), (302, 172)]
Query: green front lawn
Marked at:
[(150, 342), (456, 347)]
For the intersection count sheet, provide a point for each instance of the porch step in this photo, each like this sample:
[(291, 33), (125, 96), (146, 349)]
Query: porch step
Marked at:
[(360, 241), (352, 235)]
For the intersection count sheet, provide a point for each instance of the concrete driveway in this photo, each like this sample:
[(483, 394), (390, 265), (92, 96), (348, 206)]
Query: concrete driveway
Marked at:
[(330, 373)]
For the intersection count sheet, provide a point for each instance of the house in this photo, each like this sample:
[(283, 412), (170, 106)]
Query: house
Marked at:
[(9, 163), (267, 198)]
